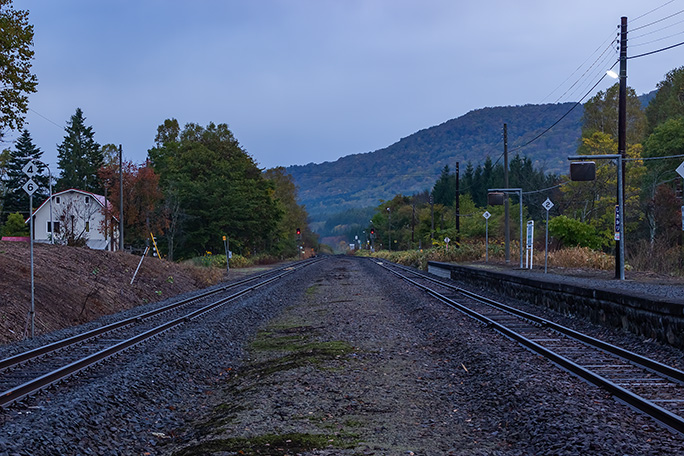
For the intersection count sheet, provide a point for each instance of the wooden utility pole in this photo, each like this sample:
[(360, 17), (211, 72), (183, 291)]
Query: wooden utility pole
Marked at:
[(507, 225), (458, 210), (121, 211)]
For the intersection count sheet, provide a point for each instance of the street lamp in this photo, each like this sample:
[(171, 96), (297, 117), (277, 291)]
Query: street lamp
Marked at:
[(519, 192), (620, 210)]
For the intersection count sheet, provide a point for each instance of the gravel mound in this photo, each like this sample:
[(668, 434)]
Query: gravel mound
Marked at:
[(337, 359)]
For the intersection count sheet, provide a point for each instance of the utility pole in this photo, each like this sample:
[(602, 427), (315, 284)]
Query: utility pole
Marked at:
[(413, 223), (622, 134), (432, 218), (121, 212), (389, 229), (507, 226), (458, 210)]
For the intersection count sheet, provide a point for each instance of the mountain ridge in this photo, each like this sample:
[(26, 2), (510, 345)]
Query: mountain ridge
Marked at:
[(413, 163)]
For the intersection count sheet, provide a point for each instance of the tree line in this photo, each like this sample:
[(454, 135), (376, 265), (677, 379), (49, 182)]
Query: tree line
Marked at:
[(583, 212), (196, 186)]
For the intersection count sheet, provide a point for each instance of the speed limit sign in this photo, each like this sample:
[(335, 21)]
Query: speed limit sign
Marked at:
[(30, 187)]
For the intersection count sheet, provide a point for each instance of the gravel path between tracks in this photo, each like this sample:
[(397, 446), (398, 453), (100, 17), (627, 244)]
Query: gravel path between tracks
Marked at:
[(343, 359)]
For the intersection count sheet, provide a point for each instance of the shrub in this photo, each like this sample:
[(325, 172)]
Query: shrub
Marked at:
[(572, 232), (14, 226)]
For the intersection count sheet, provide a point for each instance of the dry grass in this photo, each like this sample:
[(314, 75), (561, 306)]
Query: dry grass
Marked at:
[(640, 257)]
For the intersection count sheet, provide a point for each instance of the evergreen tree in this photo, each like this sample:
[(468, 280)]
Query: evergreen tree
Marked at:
[(17, 200), (444, 190), (79, 157)]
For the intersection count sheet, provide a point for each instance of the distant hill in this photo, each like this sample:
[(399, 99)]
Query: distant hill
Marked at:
[(413, 163)]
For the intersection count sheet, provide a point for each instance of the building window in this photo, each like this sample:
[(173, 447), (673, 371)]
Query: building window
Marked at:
[(87, 227), (58, 199), (87, 200), (49, 227)]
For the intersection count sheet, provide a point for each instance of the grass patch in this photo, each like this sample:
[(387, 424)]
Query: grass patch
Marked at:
[(309, 353), (271, 444), (312, 290)]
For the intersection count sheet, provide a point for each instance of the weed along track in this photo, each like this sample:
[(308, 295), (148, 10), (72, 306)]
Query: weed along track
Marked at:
[(338, 358)]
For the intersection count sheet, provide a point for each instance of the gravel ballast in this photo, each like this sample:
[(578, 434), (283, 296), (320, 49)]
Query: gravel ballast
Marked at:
[(339, 358)]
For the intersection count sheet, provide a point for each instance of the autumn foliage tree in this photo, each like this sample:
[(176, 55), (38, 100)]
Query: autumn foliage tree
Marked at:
[(141, 201)]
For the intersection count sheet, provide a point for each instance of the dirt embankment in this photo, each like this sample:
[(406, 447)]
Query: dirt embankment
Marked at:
[(76, 285)]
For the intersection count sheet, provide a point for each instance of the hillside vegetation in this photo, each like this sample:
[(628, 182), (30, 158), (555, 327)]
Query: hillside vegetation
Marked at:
[(414, 163)]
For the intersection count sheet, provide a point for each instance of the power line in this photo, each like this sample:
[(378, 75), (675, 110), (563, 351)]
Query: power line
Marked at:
[(654, 158), (653, 10), (658, 21), (546, 189), (564, 115), (651, 33), (600, 57), (655, 52), (656, 40), (40, 115), (610, 39)]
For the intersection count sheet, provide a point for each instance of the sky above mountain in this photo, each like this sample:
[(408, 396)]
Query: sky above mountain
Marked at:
[(302, 81)]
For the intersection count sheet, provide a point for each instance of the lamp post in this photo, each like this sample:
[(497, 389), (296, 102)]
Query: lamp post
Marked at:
[(519, 192), (52, 228), (620, 213)]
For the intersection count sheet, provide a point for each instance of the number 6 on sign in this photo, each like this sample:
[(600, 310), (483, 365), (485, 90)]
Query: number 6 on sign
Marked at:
[(30, 187)]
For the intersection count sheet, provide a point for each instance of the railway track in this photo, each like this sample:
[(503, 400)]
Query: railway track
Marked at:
[(29, 372), (645, 384)]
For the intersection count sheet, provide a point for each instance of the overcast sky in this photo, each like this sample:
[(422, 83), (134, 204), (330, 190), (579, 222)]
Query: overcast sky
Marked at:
[(301, 81)]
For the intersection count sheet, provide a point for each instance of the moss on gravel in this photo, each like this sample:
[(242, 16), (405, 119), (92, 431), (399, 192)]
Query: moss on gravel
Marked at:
[(270, 444), (282, 346)]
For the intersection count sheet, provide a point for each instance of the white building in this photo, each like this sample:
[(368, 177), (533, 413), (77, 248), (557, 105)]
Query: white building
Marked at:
[(76, 216)]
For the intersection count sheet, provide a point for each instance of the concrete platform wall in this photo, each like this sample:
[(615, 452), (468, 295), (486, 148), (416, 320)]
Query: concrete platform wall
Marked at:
[(650, 317)]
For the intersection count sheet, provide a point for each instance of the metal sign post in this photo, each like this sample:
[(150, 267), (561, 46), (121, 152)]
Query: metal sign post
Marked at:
[(486, 216), (548, 204), (520, 196), (226, 245), (30, 187)]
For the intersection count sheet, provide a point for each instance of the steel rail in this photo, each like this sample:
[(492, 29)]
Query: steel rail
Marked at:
[(665, 417), (45, 349), (15, 394), (635, 358)]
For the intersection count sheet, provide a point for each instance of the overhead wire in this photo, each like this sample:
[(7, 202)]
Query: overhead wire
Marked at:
[(632, 38), (658, 21), (652, 11), (602, 57), (611, 39), (655, 52), (655, 41), (564, 115)]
